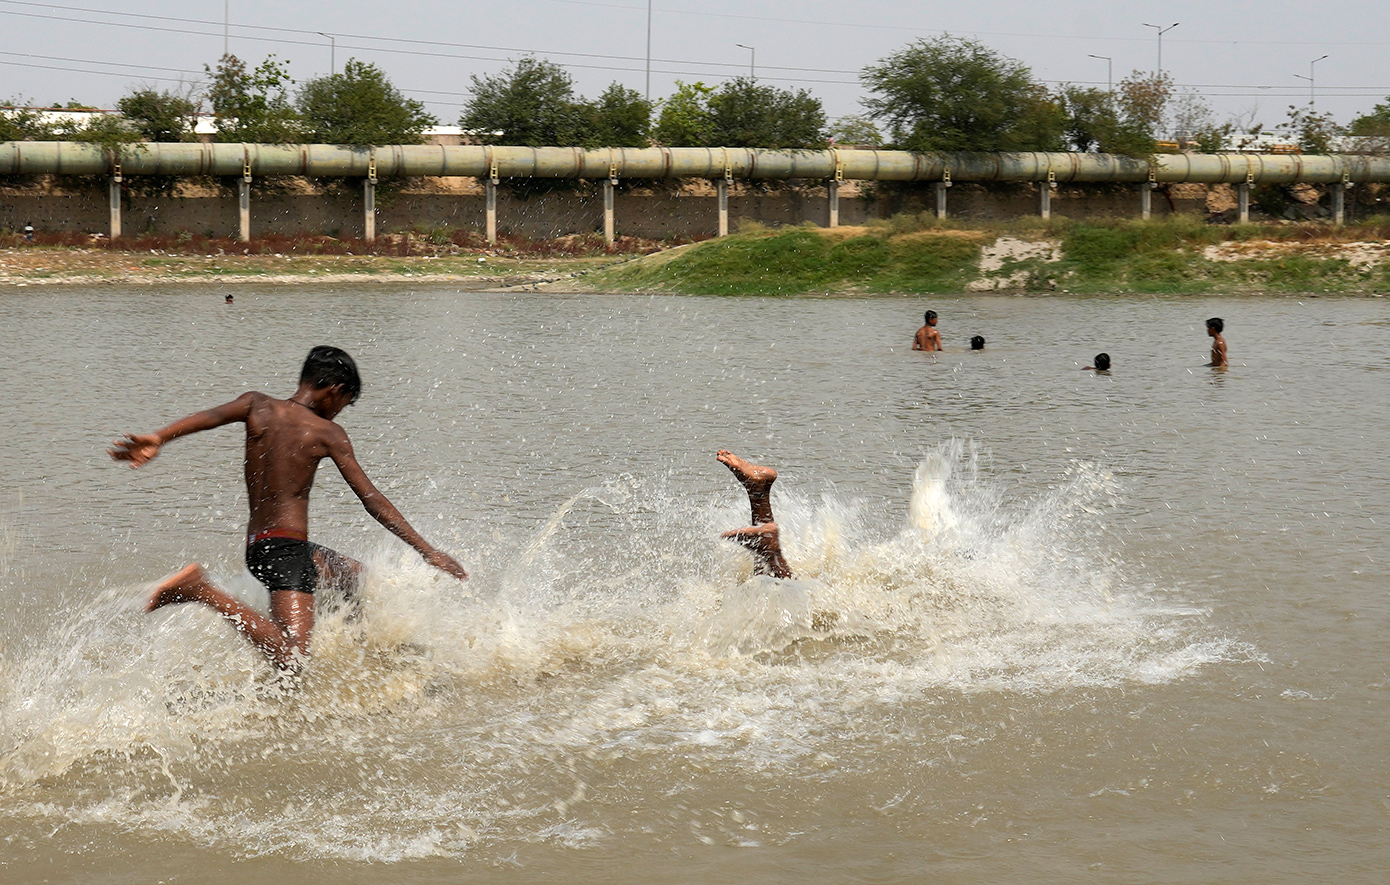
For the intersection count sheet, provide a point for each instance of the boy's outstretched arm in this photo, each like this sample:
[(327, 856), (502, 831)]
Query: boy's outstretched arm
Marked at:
[(384, 512), (140, 448)]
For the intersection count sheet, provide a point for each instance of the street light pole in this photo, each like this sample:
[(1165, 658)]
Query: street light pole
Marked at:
[(332, 52), (1109, 72), (752, 60), (1161, 31), (649, 50), (1312, 83)]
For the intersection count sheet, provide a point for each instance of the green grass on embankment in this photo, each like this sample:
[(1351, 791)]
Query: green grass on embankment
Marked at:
[(918, 254)]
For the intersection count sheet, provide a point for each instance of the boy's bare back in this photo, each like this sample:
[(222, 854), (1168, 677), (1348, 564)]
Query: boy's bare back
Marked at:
[(927, 338), (285, 441)]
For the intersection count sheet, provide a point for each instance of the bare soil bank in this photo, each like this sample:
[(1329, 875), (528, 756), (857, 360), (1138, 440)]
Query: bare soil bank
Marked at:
[(902, 256), (462, 259)]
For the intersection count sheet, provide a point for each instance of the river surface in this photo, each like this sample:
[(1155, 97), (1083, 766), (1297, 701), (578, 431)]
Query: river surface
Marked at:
[(1050, 626)]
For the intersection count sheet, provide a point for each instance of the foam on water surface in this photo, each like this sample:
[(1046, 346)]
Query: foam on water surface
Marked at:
[(620, 636)]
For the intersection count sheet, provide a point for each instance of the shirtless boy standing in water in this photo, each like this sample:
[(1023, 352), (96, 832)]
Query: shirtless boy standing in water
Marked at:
[(927, 338), (762, 538), (1218, 344), (285, 440)]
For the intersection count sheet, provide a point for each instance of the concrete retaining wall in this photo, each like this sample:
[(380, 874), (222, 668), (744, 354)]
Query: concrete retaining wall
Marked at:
[(651, 215)]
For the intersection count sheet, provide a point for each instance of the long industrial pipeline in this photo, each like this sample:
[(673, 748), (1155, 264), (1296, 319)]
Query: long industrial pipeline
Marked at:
[(394, 161)]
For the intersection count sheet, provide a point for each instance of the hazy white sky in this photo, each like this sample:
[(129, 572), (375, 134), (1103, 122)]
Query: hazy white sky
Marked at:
[(1245, 57)]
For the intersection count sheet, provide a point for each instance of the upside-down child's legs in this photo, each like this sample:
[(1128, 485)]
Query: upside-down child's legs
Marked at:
[(762, 538), (278, 636), (764, 542), (756, 480)]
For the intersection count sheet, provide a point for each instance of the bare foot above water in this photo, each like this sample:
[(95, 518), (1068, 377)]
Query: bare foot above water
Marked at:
[(755, 478), (182, 586)]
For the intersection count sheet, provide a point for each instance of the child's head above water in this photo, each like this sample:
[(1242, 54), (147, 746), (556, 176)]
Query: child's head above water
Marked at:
[(977, 343), (930, 315), (327, 366), (1215, 325), (1102, 362)]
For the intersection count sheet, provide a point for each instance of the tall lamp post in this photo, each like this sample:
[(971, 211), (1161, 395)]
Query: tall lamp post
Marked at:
[(332, 52), (649, 50), (1312, 83), (752, 60), (1161, 31), (1109, 72)]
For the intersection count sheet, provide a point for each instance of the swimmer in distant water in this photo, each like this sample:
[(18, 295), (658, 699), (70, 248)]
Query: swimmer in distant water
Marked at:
[(762, 538), (927, 338), (1218, 344), (285, 440), (977, 343), (1102, 364), (228, 299)]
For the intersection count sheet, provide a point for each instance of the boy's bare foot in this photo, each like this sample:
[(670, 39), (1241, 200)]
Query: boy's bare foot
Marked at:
[(182, 586), (756, 479)]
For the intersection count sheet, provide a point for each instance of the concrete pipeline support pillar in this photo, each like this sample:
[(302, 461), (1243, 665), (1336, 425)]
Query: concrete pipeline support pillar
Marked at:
[(490, 191), (369, 209), (832, 200), (116, 204), (721, 191), (1339, 203), (1045, 199), (1243, 202), (244, 210), (1146, 201), (941, 198), (609, 234)]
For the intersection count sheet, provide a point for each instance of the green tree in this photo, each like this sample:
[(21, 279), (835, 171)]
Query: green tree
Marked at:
[(1143, 102), (160, 116), (857, 130), (360, 106), (253, 106), (532, 104), (1314, 131), (745, 113), (21, 122), (685, 119), (955, 94), (1093, 122), (1371, 131), (1377, 122), (620, 117)]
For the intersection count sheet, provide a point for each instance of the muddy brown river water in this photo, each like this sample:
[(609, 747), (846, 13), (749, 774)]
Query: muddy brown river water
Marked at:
[(1123, 628)]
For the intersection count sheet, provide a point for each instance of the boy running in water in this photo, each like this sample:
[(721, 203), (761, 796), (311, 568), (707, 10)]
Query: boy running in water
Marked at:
[(285, 440)]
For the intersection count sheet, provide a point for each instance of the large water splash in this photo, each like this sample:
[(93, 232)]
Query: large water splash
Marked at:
[(447, 716)]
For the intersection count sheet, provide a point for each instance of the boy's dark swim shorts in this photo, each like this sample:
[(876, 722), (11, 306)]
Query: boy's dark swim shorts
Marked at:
[(283, 563)]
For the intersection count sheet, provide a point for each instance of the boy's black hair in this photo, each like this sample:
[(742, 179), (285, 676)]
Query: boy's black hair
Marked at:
[(977, 343), (326, 366), (1216, 323), (930, 315), (1102, 362)]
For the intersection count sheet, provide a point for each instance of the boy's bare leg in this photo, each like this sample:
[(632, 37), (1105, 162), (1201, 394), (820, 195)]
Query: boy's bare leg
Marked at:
[(756, 480), (278, 636), (337, 572), (765, 544)]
